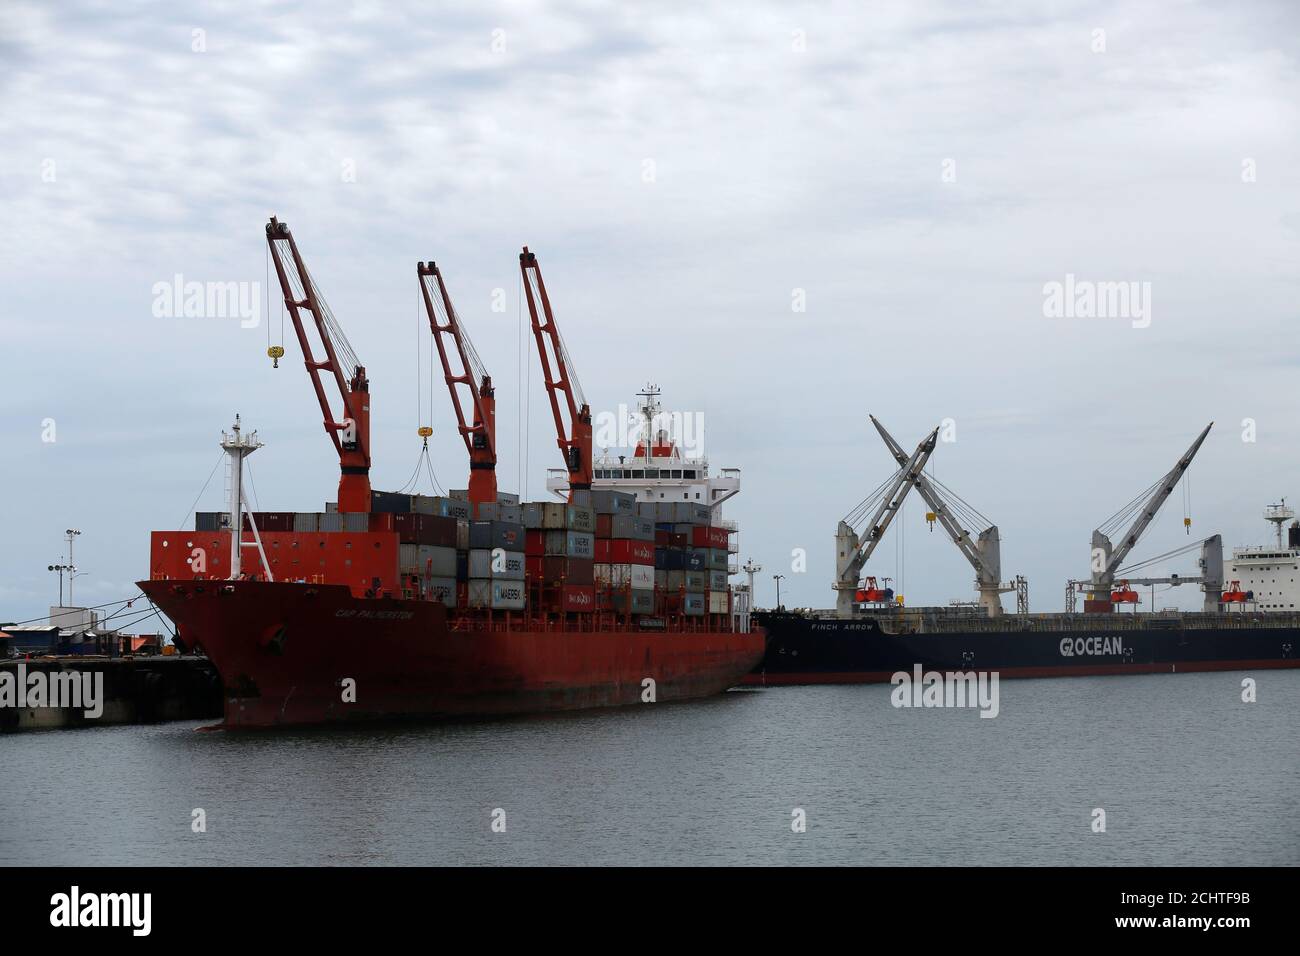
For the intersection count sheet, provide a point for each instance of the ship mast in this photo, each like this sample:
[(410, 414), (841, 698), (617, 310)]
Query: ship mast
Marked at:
[(239, 446)]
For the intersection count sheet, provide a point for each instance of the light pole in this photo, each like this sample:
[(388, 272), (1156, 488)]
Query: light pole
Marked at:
[(71, 534), (61, 568), (777, 578)]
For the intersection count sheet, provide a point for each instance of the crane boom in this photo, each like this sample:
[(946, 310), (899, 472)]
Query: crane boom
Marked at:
[(561, 380), (984, 556), (1105, 560), (852, 552), (479, 437), (350, 432)]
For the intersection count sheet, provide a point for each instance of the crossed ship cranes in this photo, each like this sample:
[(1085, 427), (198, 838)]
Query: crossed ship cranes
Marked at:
[(1107, 585)]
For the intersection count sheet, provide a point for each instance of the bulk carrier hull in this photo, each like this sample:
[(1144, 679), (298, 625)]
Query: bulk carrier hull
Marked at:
[(804, 649), (285, 652)]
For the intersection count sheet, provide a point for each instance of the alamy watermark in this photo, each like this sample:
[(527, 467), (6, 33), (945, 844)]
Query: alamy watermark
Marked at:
[(624, 429), (61, 689), (950, 689), (181, 299), (1085, 299)]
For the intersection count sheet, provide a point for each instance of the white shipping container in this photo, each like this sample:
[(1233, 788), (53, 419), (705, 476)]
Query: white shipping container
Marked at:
[(602, 575), (480, 593), (718, 602)]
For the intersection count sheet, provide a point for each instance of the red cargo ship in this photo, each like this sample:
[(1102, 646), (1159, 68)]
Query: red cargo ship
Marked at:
[(396, 605)]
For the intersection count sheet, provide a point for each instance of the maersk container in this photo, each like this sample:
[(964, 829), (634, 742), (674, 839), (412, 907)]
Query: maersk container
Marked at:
[(441, 589), (496, 534), (610, 502), (570, 544), (496, 564), (580, 518), (508, 595), (693, 605), (718, 602)]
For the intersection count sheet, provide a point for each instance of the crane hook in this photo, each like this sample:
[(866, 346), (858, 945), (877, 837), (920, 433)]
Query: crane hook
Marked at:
[(276, 352)]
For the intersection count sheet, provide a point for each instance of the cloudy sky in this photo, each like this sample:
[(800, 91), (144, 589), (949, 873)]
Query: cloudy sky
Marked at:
[(913, 174)]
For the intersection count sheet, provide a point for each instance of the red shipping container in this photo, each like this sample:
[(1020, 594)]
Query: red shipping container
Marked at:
[(625, 551), (662, 539), (382, 521), (575, 597), (533, 567), (602, 525), (678, 540), (709, 536), (534, 543)]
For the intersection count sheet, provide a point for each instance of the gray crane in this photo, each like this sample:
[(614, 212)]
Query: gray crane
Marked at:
[(852, 551), (984, 554), (1106, 558)]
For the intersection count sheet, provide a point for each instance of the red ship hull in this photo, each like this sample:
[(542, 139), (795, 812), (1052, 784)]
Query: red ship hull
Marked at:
[(286, 653)]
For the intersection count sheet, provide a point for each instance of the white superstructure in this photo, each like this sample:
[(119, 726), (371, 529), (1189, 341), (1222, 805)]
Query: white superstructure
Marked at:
[(1271, 574)]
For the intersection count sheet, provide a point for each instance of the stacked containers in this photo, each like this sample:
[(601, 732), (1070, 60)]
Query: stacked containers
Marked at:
[(560, 546), (625, 554), (495, 565)]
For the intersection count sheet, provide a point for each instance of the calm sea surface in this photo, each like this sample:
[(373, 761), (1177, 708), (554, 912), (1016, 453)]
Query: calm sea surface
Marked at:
[(1187, 773)]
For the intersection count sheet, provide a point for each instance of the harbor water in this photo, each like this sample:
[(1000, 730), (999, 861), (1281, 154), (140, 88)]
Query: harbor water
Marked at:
[(1184, 770)]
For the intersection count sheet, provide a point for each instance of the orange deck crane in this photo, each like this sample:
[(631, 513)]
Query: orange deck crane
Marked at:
[(480, 437), (350, 432), (557, 369)]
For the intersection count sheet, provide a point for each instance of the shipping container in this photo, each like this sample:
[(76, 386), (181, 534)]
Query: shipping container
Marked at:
[(507, 498), (717, 602), (332, 506), (695, 560), (356, 521), (530, 513), (639, 576), (717, 580), (580, 518), (534, 542), (462, 565), (555, 571), (428, 561), (462, 533), (718, 559), (389, 502), (496, 511), (610, 502), (496, 564), (441, 589), (496, 534), (624, 552), (460, 494), (668, 559), (636, 602), (693, 605), (570, 544), (577, 597), (696, 580), (709, 536), (211, 520), (508, 595), (634, 527)]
